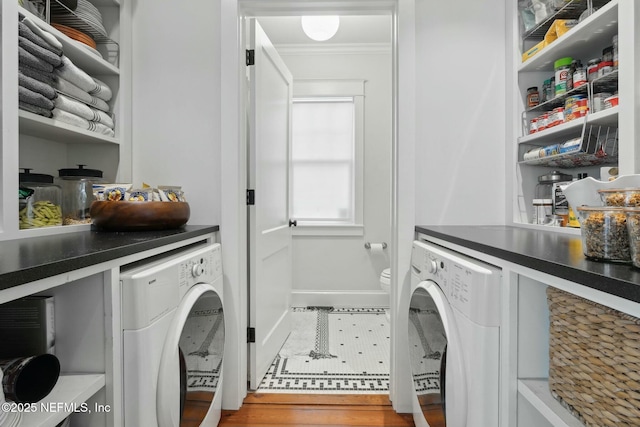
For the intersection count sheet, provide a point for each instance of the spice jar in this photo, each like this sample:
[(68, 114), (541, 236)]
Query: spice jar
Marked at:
[(579, 75), (561, 67), (77, 193), (39, 201), (533, 97), (592, 69)]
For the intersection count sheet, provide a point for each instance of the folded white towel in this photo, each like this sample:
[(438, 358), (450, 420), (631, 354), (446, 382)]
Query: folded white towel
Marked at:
[(101, 91), (70, 105), (65, 87), (102, 117), (70, 72), (74, 120), (81, 109)]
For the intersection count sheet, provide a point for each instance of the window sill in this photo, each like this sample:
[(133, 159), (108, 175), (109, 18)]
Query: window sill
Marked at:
[(328, 230)]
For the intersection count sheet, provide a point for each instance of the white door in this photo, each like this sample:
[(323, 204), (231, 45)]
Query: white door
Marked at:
[(269, 228)]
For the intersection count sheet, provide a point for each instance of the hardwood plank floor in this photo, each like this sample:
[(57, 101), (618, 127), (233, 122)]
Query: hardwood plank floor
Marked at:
[(315, 410)]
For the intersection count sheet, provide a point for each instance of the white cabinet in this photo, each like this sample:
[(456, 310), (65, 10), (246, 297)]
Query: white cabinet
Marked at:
[(607, 136), (85, 339), (536, 407), (46, 145)]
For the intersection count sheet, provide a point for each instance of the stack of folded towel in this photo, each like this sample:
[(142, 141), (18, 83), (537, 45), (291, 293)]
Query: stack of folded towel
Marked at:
[(82, 99), (53, 86), (38, 54)]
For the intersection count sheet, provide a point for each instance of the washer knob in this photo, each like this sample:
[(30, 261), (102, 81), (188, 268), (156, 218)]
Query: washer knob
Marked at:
[(432, 266), (197, 269)]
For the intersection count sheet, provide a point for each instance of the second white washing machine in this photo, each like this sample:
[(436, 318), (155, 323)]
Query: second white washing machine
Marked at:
[(454, 338), (173, 339)]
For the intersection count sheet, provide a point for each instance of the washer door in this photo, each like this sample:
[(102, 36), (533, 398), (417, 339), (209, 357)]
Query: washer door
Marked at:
[(191, 363), (436, 360)]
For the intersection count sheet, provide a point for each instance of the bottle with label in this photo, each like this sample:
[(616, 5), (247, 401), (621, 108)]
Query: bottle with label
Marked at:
[(560, 202), (579, 75), (533, 97), (561, 67)]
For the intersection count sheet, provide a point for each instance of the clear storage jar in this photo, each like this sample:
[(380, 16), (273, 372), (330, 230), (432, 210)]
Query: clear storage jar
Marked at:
[(604, 233), (629, 197), (77, 193), (633, 230), (39, 201)]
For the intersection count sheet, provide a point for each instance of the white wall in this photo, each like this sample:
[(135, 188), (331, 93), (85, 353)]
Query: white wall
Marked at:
[(176, 101), (461, 118), (341, 263)]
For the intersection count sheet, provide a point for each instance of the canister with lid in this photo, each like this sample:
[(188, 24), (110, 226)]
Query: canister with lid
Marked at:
[(544, 189), (77, 193), (561, 67), (39, 201)]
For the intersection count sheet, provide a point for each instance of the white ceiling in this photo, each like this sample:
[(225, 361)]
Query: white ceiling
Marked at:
[(287, 30)]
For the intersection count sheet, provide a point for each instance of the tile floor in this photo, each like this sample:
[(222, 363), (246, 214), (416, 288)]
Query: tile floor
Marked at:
[(333, 350)]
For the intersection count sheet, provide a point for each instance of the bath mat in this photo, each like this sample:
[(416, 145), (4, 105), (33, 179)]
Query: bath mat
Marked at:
[(333, 350)]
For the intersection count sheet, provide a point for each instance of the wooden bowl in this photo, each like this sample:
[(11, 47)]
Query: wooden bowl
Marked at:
[(135, 216)]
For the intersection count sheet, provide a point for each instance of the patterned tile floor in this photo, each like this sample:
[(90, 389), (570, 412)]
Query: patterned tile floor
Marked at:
[(333, 350)]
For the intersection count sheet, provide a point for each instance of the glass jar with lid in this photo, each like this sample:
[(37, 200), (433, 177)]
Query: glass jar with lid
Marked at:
[(77, 193), (544, 189), (39, 200)]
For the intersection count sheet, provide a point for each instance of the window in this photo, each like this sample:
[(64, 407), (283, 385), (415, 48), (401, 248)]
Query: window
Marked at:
[(322, 160), (326, 156)]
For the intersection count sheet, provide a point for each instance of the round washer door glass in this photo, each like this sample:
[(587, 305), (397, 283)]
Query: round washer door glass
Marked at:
[(191, 363), (427, 353), (201, 348)]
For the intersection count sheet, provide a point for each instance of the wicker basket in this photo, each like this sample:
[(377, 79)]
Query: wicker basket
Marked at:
[(594, 360)]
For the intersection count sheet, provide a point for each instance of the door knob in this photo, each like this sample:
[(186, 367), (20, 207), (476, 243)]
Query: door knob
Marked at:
[(293, 223)]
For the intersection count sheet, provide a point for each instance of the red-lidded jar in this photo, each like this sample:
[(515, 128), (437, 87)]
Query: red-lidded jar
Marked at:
[(592, 69)]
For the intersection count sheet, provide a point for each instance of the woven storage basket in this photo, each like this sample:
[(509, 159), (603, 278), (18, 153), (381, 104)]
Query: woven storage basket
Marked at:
[(594, 360)]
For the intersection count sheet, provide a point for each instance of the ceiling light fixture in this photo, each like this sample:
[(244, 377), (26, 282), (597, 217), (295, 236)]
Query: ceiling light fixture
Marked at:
[(320, 28)]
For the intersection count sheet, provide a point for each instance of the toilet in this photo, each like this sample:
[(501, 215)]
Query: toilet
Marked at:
[(385, 284)]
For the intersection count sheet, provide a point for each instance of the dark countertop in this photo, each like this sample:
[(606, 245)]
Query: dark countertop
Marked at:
[(25, 260), (551, 252)]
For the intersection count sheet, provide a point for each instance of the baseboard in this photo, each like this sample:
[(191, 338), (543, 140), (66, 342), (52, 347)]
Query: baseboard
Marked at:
[(340, 298)]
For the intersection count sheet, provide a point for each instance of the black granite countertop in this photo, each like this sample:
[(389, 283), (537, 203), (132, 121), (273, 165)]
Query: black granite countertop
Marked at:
[(551, 252), (25, 260)]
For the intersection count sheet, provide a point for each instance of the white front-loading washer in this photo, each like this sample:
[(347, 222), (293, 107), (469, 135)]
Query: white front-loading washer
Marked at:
[(454, 338), (173, 338)]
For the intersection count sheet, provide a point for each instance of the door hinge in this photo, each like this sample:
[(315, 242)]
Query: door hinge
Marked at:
[(250, 57), (251, 197), (251, 335)]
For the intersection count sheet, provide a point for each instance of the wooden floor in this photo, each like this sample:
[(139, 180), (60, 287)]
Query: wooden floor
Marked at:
[(320, 410)]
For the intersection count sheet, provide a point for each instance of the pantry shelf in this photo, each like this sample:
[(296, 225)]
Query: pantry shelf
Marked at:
[(536, 391), (71, 390), (598, 145), (571, 10), (42, 127), (555, 133), (596, 30)]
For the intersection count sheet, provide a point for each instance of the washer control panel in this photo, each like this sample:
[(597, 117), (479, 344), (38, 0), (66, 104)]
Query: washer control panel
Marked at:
[(470, 285), (202, 266)]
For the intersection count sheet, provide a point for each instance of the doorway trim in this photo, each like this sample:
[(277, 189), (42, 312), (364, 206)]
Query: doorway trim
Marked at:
[(233, 224)]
